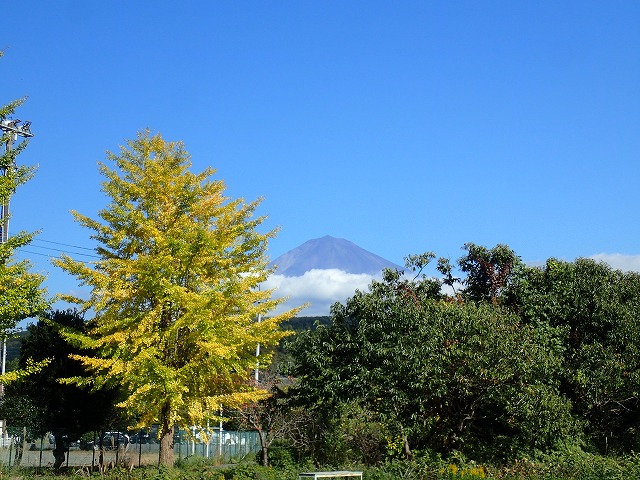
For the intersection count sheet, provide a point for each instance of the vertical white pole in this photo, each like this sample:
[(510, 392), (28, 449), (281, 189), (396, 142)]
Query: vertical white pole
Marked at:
[(208, 439), (257, 375), (4, 237), (12, 127), (220, 436)]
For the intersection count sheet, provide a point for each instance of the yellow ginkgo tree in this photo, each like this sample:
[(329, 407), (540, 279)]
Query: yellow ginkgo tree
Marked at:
[(175, 292)]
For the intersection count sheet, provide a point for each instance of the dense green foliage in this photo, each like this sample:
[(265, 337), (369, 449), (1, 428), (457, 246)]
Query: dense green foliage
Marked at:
[(569, 465), (41, 402), (302, 324), (594, 312), (517, 362)]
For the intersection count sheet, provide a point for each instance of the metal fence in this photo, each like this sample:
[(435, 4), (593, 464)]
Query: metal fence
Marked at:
[(220, 447)]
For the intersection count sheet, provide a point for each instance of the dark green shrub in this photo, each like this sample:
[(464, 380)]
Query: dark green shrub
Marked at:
[(282, 455), (250, 471)]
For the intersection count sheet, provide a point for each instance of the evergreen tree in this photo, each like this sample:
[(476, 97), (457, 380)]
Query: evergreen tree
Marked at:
[(40, 402)]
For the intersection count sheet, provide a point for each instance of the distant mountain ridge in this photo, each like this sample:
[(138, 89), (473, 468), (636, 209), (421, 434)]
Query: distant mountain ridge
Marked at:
[(328, 252)]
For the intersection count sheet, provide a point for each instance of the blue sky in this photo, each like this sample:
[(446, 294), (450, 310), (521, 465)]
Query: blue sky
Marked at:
[(401, 126)]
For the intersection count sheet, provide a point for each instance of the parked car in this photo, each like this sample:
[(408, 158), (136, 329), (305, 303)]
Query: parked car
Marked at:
[(111, 440), (141, 437), (87, 444), (67, 443)]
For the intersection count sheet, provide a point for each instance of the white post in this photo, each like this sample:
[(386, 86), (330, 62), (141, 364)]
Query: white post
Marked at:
[(208, 440), (257, 375), (220, 436)]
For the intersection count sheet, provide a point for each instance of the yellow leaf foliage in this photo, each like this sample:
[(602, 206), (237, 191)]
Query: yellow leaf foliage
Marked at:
[(30, 368), (176, 289)]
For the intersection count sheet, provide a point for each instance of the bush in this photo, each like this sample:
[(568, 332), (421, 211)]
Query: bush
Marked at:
[(281, 455), (397, 470), (249, 471), (572, 464)]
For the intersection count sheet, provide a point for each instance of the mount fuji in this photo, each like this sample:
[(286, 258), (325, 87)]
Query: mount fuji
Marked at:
[(323, 271), (330, 253)]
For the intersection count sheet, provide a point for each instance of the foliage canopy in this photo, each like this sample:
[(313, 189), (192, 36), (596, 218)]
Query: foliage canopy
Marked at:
[(517, 361), (176, 290)]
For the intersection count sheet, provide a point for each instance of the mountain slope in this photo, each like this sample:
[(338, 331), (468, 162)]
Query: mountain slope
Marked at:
[(329, 252)]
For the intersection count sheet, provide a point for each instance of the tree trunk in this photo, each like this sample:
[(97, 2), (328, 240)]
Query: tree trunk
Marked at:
[(59, 450), (166, 438), (407, 448), (264, 448), (408, 454), (20, 446), (166, 448)]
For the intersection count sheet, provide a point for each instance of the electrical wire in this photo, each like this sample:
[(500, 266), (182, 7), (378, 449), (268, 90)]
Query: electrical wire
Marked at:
[(22, 250), (66, 251), (63, 244), (71, 253)]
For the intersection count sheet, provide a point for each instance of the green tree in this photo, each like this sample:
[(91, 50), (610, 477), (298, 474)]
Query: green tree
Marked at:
[(21, 292), (175, 292), (488, 271), (593, 310), (43, 404), (439, 374)]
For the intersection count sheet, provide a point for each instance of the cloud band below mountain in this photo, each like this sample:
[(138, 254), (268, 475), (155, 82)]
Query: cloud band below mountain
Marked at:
[(319, 288)]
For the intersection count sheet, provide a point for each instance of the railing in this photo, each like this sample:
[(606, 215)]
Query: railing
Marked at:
[(219, 448), (223, 447)]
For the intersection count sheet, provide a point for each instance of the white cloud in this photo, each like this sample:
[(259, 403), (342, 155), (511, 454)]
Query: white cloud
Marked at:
[(619, 261), (320, 288)]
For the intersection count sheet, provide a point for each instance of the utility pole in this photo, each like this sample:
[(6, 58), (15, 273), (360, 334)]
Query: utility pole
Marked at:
[(11, 130)]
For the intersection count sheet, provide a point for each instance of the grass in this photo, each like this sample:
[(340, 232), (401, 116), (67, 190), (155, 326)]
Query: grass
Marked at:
[(573, 465)]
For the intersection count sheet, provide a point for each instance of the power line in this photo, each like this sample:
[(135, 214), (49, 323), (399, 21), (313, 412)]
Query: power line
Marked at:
[(63, 244), (61, 250), (46, 254), (66, 251)]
